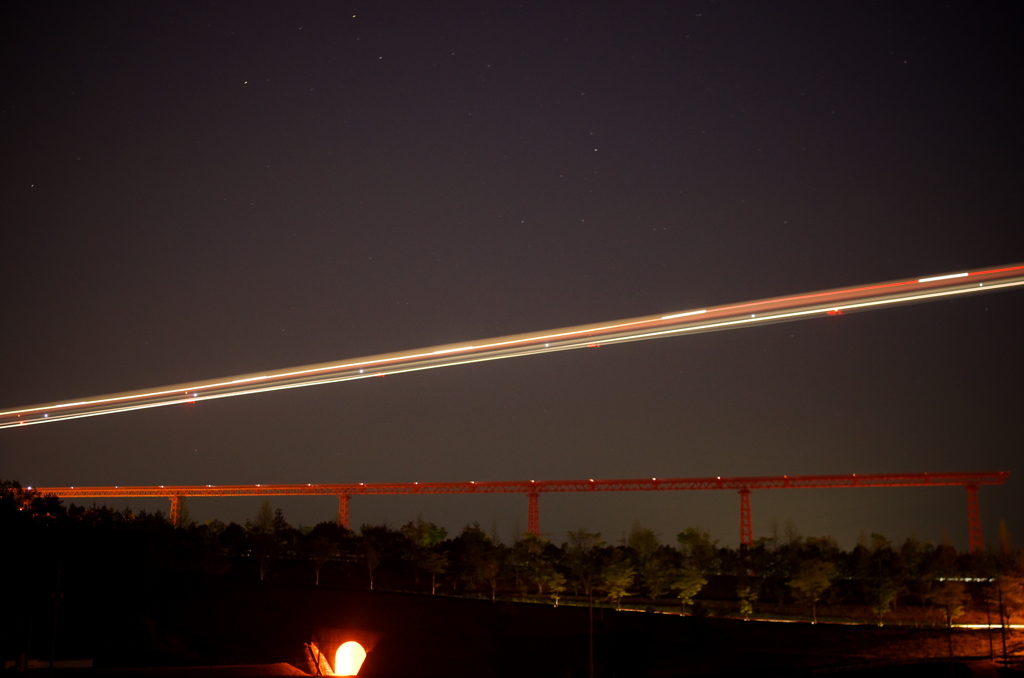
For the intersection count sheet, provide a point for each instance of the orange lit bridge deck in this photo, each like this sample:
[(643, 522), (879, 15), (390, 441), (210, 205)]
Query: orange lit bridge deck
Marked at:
[(533, 489)]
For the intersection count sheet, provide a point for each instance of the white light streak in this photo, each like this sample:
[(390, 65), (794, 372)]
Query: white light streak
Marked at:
[(683, 315), (453, 350), (943, 277), (722, 317)]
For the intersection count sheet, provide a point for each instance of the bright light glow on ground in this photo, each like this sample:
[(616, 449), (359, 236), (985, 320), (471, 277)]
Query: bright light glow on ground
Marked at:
[(349, 659)]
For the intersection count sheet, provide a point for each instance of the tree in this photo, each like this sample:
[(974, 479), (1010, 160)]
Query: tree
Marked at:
[(791, 534), (541, 575), (531, 563), (1007, 595), (699, 550), (1012, 586), (264, 548), (479, 559), (489, 570), (747, 596), (583, 557), (1005, 547), (184, 515), (884, 598), (13, 498), (279, 524), (944, 559), (264, 521), (374, 540), (1008, 592), (289, 539), (919, 575), (880, 542), (556, 585), (616, 579), (371, 556), (644, 543), (423, 533), (813, 579), (321, 549), (951, 597), (421, 536), (527, 561), (209, 555), (262, 540), (434, 563), (658, 574), (689, 583)]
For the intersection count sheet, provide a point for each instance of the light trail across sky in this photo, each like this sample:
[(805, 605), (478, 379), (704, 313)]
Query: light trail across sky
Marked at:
[(710, 319)]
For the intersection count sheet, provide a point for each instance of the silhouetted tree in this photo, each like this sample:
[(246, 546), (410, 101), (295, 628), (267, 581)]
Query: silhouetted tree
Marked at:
[(184, 515), (748, 596), (644, 544), (264, 520), (478, 557), (489, 571), (376, 540), (617, 576), (211, 547), (885, 595), (434, 564), (530, 559), (698, 550), (556, 585), (321, 550), (950, 597), (263, 543), (689, 583), (658, 573), (582, 555), (812, 580), (420, 538)]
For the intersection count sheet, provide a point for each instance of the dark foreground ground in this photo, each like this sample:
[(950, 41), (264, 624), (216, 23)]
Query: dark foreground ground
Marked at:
[(421, 635)]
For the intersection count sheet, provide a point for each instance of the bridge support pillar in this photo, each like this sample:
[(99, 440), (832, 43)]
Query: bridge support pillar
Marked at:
[(746, 524), (343, 519), (175, 516), (975, 539), (533, 514)]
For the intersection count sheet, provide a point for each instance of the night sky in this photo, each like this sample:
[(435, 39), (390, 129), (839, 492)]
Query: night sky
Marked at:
[(195, 190)]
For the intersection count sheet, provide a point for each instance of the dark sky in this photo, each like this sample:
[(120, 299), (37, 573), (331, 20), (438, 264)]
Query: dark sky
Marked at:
[(194, 190)]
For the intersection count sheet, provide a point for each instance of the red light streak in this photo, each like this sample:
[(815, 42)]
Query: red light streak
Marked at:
[(793, 307)]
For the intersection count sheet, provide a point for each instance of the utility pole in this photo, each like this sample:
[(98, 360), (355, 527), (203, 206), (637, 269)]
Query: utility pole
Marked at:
[(56, 595), (1002, 619), (590, 600), (28, 642), (988, 619)]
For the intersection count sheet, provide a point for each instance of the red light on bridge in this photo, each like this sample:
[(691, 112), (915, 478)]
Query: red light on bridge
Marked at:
[(835, 311)]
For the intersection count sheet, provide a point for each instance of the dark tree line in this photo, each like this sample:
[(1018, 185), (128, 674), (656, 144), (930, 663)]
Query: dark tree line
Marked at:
[(784, 574)]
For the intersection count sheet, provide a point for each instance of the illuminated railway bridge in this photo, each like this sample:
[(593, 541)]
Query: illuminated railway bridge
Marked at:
[(534, 488)]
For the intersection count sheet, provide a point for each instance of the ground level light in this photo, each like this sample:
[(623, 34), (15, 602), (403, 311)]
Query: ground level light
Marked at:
[(349, 659)]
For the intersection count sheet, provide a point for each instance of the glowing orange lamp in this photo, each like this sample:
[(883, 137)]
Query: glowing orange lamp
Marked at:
[(349, 659)]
